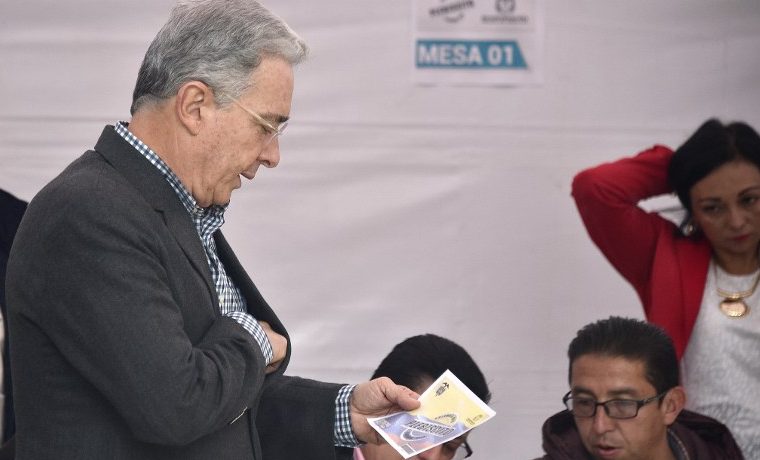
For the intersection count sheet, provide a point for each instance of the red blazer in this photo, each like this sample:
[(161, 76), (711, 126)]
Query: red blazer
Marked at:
[(667, 270)]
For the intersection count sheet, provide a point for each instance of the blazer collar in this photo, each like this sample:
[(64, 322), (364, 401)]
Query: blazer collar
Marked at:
[(153, 187)]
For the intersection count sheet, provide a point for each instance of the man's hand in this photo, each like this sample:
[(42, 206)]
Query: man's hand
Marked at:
[(377, 398), (279, 347)]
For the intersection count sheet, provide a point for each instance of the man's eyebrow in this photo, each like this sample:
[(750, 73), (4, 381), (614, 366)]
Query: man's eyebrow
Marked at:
[(279, 119), (621, 392), (616, 393), (583, 390)]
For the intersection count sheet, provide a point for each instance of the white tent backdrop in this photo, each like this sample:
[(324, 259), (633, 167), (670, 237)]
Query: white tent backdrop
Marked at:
[(400, 209)]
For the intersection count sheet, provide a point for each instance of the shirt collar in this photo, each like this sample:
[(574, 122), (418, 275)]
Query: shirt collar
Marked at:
[(185, 197)]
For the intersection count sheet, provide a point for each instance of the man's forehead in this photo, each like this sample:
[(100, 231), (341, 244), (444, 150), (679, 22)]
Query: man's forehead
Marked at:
[(609, 375), (272, 70)]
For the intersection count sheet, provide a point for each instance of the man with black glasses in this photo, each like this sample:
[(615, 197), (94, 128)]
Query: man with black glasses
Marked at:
[(625, 401)]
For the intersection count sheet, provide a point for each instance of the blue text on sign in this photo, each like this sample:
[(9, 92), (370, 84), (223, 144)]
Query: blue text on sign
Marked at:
[(475, 54)]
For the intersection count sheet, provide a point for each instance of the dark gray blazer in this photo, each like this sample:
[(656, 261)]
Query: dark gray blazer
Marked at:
[(118, 349)]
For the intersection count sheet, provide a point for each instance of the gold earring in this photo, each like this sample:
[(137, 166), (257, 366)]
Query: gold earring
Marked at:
[(690, 228)]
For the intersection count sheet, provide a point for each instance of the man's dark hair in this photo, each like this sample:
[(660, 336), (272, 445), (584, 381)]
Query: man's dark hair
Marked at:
[(427, 357), (631, 339)]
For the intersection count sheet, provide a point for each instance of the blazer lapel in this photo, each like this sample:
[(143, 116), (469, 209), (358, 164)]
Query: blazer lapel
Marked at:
[(150, 183), (257, 306)]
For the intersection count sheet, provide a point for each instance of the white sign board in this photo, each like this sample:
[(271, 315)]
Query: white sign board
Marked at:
[(478, 42)]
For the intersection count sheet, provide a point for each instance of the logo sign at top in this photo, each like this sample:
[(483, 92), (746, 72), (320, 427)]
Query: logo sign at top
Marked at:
[(478, 42)]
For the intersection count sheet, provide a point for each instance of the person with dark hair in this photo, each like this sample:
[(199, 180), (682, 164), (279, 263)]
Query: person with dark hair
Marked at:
[(698, 281), (135, 331), (625, 401), (416, 363)]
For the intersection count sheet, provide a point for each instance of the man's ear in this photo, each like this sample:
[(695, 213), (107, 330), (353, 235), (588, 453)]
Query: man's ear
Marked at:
[(672, 404), (194, 99)]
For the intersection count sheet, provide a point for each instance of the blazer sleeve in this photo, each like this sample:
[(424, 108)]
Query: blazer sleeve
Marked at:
[(296, 419), (607, 198), (93, 272)]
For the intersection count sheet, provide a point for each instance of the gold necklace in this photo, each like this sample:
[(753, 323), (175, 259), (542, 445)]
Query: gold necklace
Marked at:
[(733, 304)]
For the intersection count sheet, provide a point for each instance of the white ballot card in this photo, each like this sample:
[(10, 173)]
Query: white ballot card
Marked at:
[(448, 409)]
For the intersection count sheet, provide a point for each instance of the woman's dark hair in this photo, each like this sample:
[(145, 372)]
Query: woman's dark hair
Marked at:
[(711, 146), (428, 356)]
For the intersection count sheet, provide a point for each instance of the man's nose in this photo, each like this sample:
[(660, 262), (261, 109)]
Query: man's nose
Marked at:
[(602, 422), (270, 155)]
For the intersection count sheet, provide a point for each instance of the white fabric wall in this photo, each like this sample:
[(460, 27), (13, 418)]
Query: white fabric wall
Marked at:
[(399, 209)]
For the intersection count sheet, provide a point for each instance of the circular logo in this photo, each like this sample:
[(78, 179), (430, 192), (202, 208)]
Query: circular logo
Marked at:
[(448, 419), (506, 6)]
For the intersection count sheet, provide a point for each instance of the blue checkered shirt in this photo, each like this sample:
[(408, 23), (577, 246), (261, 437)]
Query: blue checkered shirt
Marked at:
[(231, 301)]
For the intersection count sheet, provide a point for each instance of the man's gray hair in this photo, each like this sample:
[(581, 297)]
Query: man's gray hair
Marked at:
[(218, 42)]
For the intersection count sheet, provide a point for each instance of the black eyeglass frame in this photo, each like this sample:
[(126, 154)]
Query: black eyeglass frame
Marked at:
[(463, 445), (467, 449), (639, 404)]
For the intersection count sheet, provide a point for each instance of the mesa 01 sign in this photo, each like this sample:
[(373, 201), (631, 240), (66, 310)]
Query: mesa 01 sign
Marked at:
[(478, 54), (488, 42)]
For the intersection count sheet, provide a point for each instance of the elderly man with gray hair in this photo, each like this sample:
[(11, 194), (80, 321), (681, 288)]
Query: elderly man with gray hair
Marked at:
[(135, 332)]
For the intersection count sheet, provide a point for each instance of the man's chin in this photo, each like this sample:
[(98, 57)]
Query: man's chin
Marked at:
[(223, 200)]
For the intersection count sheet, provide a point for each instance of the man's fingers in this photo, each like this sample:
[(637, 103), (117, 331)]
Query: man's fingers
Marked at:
[(405, 398)]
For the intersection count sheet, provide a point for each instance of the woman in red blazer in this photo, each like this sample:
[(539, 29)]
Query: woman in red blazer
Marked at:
[(698, 281)]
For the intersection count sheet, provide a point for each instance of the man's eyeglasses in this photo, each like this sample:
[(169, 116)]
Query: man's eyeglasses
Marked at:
[(457, 452), (268, 127), (614, 408)]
